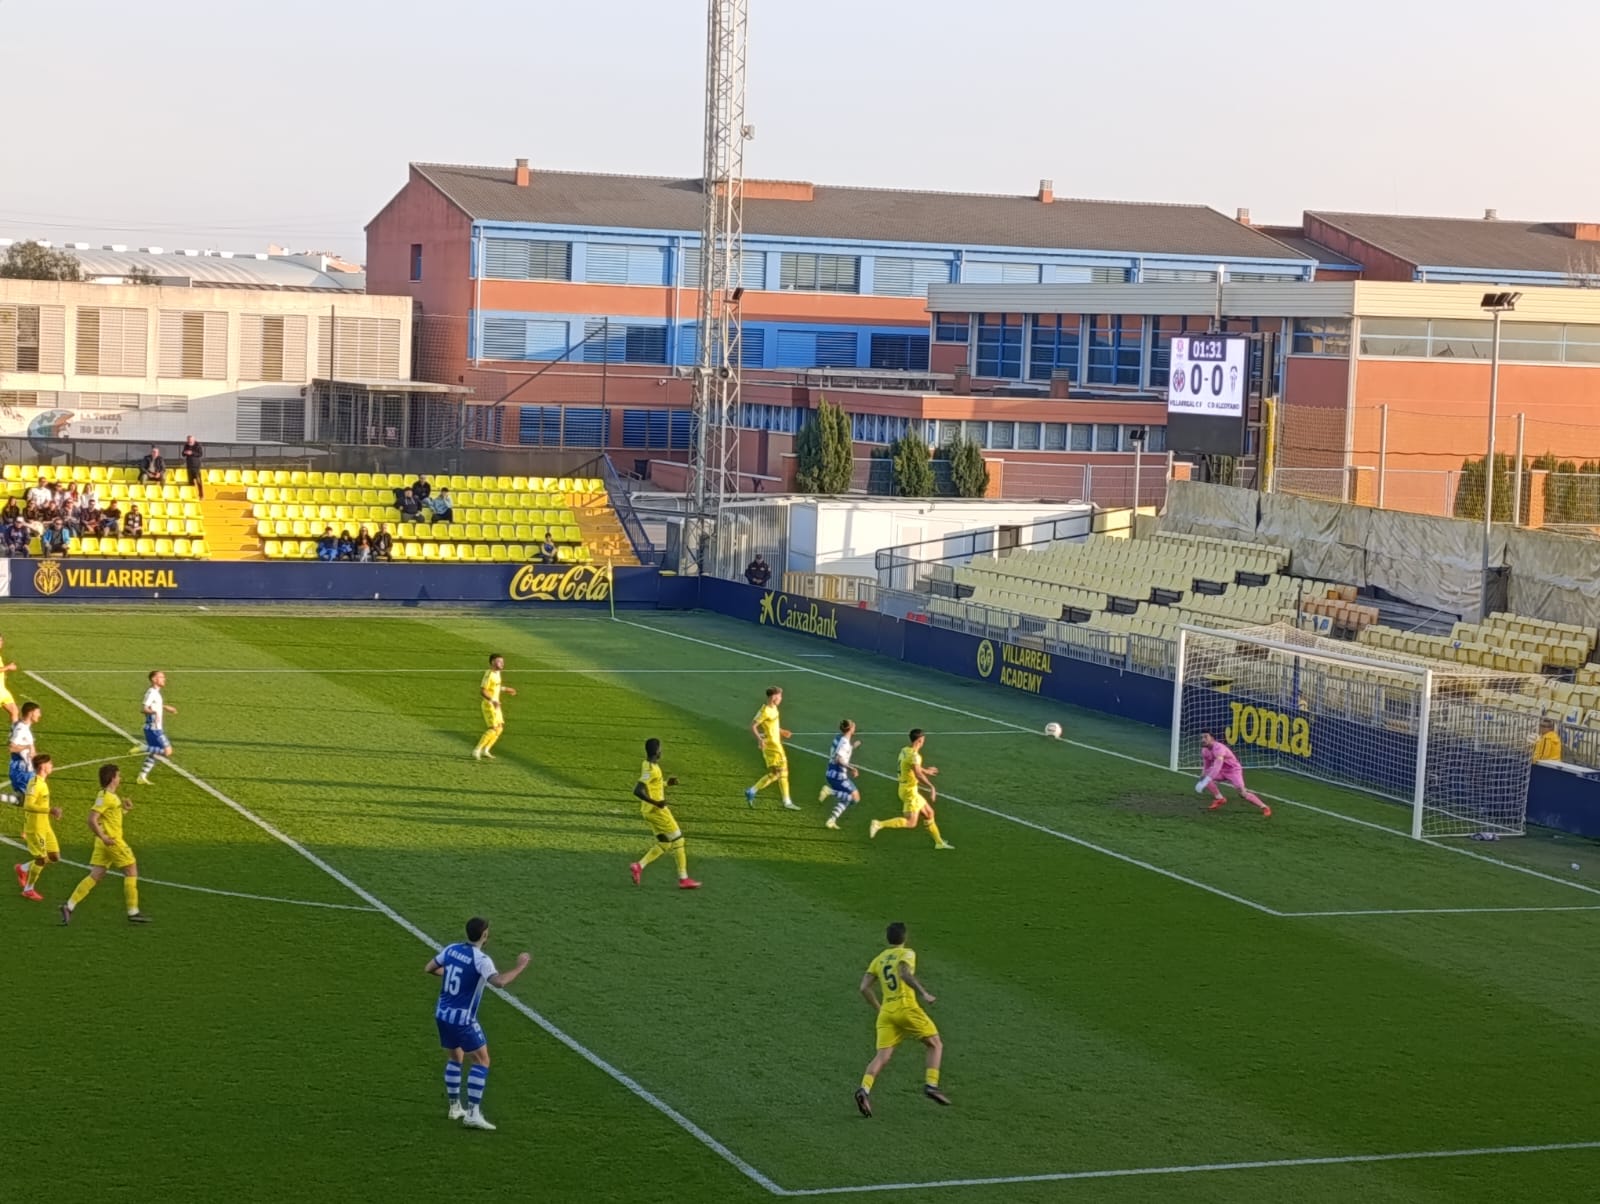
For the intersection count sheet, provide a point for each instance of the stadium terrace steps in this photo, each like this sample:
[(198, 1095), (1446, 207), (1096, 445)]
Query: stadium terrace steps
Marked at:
[(603, 534), (230, 531)]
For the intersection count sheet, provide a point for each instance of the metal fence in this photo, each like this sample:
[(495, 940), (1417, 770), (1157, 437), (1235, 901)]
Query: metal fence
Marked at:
[(909, 566)]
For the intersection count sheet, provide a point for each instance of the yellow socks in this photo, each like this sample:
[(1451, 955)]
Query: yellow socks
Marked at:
[(680, 854), (81, 892), (491, 738), (766, 781), (783, 780), (898, 821), (651, 854), (130, 894), (931, 1077), (34, 871), (867, 1080), (933, 831)]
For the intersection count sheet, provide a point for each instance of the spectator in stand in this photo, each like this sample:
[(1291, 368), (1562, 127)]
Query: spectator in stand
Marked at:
[(56, 539), (111, 519), (11, 513), (440, 509), (153, 467), (192, 455), (17, 537), (328, 545), (40, 495), (133, 525), (87, 520), (363, 545), (547, 549), (1548, 746), (758, 572), (421, 488), (383, 543), (347, 545), (408, 506), (67, 502)]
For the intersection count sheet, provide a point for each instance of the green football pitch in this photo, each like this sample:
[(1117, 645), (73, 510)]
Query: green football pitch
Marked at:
[(1140, 1001)]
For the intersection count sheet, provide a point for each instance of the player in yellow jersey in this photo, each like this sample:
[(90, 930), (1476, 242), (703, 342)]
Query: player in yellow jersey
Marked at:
[(37, 834), (913, 776), (651, 791), (6, 700), (111, 852), (769, 738), (494, 719), (891, 987)]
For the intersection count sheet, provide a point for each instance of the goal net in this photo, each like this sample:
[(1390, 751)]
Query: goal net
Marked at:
[(1420, 732)]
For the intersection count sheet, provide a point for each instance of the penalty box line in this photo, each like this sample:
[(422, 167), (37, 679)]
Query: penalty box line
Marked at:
[(376, 904), (1106, 752)]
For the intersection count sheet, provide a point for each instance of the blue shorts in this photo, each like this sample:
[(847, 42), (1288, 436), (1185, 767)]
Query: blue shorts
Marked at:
[(21, 775), (839, 782), (466, 1037), (155, 741)]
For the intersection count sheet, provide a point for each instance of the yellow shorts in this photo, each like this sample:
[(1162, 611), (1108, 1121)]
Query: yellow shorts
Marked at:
[(42, 841), (895, 1025), (775, 758), (912, 802), (6, 700), (493, 716), (111, 857), (659, 820)]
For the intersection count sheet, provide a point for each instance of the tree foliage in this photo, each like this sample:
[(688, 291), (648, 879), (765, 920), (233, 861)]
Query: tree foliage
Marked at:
[(30, 261), (969, 475), (824, 450), (913, 468)]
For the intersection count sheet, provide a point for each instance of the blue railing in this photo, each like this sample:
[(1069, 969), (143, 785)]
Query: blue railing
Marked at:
[(622, 502)]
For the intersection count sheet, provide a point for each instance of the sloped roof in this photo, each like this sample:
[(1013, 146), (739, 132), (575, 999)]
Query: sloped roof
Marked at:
[(1454, 242), (239, 271), (857, 214)]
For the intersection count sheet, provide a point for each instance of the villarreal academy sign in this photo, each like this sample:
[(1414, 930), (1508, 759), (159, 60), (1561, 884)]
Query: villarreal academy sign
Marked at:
[(1024, 669)]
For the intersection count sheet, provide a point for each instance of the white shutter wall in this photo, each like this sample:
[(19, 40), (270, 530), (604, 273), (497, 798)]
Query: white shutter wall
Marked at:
[(214, 356), (894, 276), (171, 343), (52, 338), (366, 347), (124, 336), (250, 352), (194, 344)]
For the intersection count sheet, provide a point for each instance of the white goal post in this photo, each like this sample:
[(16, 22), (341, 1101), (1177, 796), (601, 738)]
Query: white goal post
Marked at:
[(1418, 732)]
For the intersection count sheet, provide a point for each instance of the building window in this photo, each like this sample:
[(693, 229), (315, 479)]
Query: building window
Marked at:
[(1471, 339), (618, 343), (1054, 351), (359, 347), (977, 272), (899, 352), (1109, 275), (1107, 437), (1395, 337), (751, 269), (807, 272), (1161, 346), (1055, 436), (1321, 336), (1531, 341), (32, 338), (1081, 438), (194, 344), (1178, 276), (111, 342), (1027, 436), (1002, 435), (1114, 349), (416, 261), (272, 347), (1582, 345), (1155, 439), (527, 259), (952, 328), (897, 277), (1000, 346), (624, 263)]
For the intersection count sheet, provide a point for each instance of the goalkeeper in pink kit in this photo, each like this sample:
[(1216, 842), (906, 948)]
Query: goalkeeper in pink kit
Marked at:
[(1221, 767)]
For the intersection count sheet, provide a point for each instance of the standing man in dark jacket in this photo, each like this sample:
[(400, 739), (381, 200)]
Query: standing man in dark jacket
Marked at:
[(192, 455), (758, 572)]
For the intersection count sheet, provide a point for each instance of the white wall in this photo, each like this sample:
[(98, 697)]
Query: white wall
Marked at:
[(843, 537)]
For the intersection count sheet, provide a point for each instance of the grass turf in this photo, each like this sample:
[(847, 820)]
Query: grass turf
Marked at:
[(1121, 981)]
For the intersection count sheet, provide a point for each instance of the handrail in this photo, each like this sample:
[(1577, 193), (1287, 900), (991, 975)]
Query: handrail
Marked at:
[(622, 503)]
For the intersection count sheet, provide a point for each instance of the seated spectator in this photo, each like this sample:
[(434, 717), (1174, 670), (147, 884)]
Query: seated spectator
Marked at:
[(328, 545), (421, 488), (11, 513), (440, 509), (409, 507), (362, 548), (758, 572), (111, 519), (347, 545), (41, 494), (153, 467), (383, 544), (1548, 746), (547, 550), (87, 520), (17, 537), (67, 503), (133, 525), (56, 539)]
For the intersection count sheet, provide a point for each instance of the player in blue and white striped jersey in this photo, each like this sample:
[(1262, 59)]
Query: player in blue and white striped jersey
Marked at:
[(466, 969), (840, 773)]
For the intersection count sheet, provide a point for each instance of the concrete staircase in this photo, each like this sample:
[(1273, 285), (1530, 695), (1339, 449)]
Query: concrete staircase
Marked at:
[(230, 531), (603, 534)]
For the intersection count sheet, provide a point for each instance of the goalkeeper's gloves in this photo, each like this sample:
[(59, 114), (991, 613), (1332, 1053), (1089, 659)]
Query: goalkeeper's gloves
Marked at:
[(1200, 786)]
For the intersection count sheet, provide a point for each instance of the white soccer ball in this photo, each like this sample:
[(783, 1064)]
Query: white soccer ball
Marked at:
[(1053, 730)]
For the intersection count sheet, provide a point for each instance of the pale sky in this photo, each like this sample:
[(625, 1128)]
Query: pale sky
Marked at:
[(192, 123)]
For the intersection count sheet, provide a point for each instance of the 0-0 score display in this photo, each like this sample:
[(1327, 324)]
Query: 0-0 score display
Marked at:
[(1209, 376)]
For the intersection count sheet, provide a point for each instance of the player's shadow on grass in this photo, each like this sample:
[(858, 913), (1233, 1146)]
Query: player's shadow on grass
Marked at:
[(1163, 806)]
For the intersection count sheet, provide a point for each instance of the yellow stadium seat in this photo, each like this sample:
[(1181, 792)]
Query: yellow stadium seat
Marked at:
[(270, 547), (297, 476), (125, 547), (11, 472), (414, 551), (198, 548), (164, 548), (447, 551), (564, 555), (265, 529), (430, 551), (281, 477), (474, 531), (354, 480), (80, 474), (517, 553), (89, 546), (145, 547), (230, 476), (319, 495), (500, 554), (193, 526), (182, 548), (300, 528), (481, 552)]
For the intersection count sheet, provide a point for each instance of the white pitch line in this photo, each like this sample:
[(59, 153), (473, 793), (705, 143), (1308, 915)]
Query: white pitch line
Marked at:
[(207, 890), (931, 732), (1106, 752), (1204, 1168), (583, 1051), (102, 761), (545, 671)]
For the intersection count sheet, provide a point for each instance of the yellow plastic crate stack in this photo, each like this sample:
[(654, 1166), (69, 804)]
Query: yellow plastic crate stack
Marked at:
[(495, 519), (174, 526)]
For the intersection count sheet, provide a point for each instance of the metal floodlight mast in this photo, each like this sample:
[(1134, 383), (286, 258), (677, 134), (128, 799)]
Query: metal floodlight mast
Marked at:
[(714, 466)]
